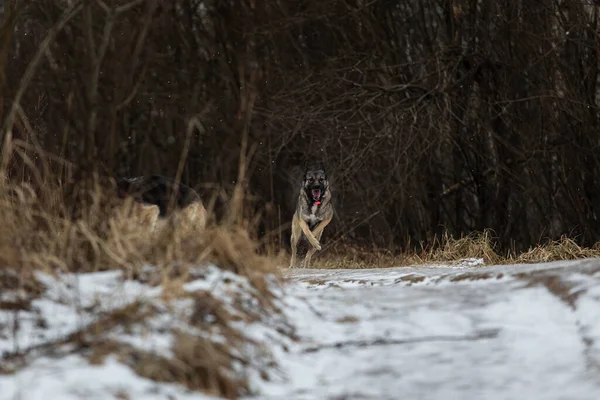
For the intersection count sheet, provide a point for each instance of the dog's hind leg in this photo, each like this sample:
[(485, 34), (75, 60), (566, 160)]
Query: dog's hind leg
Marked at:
[(296, 232), (151, 216), (195, 215)]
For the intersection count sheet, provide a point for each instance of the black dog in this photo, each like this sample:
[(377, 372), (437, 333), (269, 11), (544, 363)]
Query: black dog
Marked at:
[(157, 190)]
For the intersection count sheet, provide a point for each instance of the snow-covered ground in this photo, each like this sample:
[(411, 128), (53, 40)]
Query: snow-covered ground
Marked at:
[(461, 331), (40, 358)]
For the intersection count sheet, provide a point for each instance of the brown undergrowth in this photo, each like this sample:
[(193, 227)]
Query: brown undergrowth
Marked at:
[(36, 236), (342, 255), (449, 250)]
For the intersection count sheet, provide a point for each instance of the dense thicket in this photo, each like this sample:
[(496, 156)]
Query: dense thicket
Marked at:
[(431, 115)]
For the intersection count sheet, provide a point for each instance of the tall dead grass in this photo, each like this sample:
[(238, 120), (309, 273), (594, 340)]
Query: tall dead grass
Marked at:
[(482, 245), (449, 250), (557, 250), (343, 255), (113, 234), (479, 245)]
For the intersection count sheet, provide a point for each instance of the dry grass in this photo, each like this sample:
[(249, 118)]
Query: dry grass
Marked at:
[(342, 255), (444, 250), (36, 235), (556, 250), (116, 235), (449, 250)]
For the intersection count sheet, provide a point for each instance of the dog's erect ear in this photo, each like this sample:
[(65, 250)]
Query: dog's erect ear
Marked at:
[(322, 167), (318, 166)]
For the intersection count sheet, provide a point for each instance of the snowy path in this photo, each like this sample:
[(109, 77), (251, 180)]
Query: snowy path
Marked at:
[(501, 332)]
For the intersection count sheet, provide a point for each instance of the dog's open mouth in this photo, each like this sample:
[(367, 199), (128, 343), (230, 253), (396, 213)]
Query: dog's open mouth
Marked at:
[(316, 194)]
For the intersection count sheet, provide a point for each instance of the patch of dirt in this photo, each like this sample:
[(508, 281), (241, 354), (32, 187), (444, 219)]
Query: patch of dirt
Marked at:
[(555, 285), (359, 281), (475, 276), (410, 279), (316, 282), (348, 319)]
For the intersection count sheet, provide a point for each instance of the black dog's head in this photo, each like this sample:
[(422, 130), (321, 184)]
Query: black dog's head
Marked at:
[(315, 182), (128, 186), (123, 187)]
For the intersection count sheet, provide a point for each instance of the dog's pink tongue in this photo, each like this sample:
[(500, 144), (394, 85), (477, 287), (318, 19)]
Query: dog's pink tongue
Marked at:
[(316, 194)]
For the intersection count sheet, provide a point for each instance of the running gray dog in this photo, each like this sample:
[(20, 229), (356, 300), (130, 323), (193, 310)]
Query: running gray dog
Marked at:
[(314, 211)]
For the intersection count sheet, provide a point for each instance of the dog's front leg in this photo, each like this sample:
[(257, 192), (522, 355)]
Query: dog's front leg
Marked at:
[(317, 232), (309, 235)]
